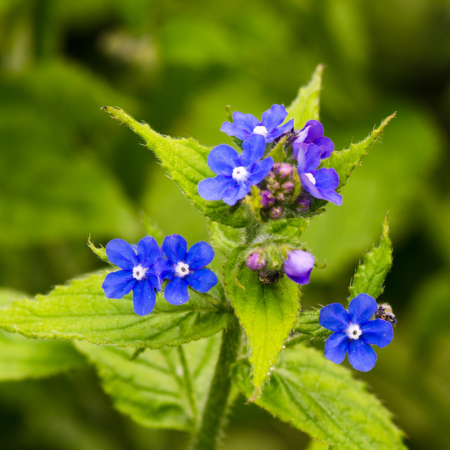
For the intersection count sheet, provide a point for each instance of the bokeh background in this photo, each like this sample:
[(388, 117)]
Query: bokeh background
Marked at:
[(68, 171)]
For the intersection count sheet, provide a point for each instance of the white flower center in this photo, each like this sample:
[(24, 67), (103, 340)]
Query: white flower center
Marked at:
[(181, 269), (240, 174), (353, 331), (261, 130), (311, 178), (139, 272)]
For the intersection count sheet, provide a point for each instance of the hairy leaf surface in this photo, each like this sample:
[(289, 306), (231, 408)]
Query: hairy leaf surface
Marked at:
[(80, 310), (186, 162), (22, 358), (153, 388), (224, 238), (308, 324), (266, 311), (369, 277), (323, 400)]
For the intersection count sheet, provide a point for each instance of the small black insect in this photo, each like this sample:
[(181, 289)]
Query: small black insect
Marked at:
[(384, 312)]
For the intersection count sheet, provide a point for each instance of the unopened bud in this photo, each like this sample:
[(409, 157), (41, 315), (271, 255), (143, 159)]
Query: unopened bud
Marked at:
[(267, 199), (303, 203), (255, 261), (280, 197), (276, 212), (284, 170), (288, 187)]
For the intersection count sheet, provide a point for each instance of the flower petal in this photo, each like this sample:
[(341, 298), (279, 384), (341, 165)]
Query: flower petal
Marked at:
[(336, 347), (236, 192), (232, 130), (260, 170), (121, 254), (326, 179), (144, 298), (329, 196), (361, 309), (277, 132), (175, 248), (298, 266), (312, 158), (202, 280), (215, 188), (164, 268), (199, 255), (253, 151), (147, 251), (361, 355), (315, 130), (176, 291), (118, 284), (377, 332), (326, 146), (273, 117), (223, 159), (334, 317), (299, 153), (246, 122)]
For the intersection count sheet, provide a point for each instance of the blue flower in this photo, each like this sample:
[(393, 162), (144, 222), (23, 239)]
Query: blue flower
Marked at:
[(246, 125), (185, 268), (138, 273), (235, 173), (298, 266), (354, 331), (312, 133), (319, 183)]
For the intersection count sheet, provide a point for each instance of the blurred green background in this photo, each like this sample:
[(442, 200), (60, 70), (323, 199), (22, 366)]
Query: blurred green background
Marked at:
[(68, 171)]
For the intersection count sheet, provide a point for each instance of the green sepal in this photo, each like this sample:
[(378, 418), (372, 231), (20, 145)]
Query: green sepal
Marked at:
[(253, 201), (159, 388), (267, 312), (345, 161), (224, 238), (306, 106), (277, 153), (80, 310), (99, 251), (323, 400), (186, 163), (370, 275)]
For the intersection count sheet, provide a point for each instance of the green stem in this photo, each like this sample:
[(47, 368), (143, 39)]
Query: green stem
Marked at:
[(188, 383), (213, 417)]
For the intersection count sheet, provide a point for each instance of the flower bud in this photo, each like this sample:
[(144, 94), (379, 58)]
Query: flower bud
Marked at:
[(298, 266), (267, 199), (276, 212), (255, 261), (280, 197), (288, 187), (284, 170), (303, 202)]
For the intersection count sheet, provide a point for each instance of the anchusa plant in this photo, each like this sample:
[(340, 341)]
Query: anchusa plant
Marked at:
[(259, 193)]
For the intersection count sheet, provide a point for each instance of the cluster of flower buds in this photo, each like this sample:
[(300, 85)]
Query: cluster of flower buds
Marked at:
[(271, 265), (277, 189)]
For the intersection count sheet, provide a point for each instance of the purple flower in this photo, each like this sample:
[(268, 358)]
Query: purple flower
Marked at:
[(246, 125), (319, 183), (138, 273), (298, 266), (312, 133), (185, 268), (354, 331), (255, 261), (235, 173)]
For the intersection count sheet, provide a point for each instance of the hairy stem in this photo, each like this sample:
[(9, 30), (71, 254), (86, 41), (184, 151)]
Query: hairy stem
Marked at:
[(188, 382), (209, 430)]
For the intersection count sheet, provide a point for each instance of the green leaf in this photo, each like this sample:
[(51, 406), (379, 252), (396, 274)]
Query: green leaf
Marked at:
[(186, 162), (308, 324), (81, 311), (99, 251), (266, 311), (345, 161), (160, 388), (323, 400), (288, 229), (306, 106), (369, 277), (22, 358), (224, 238)]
